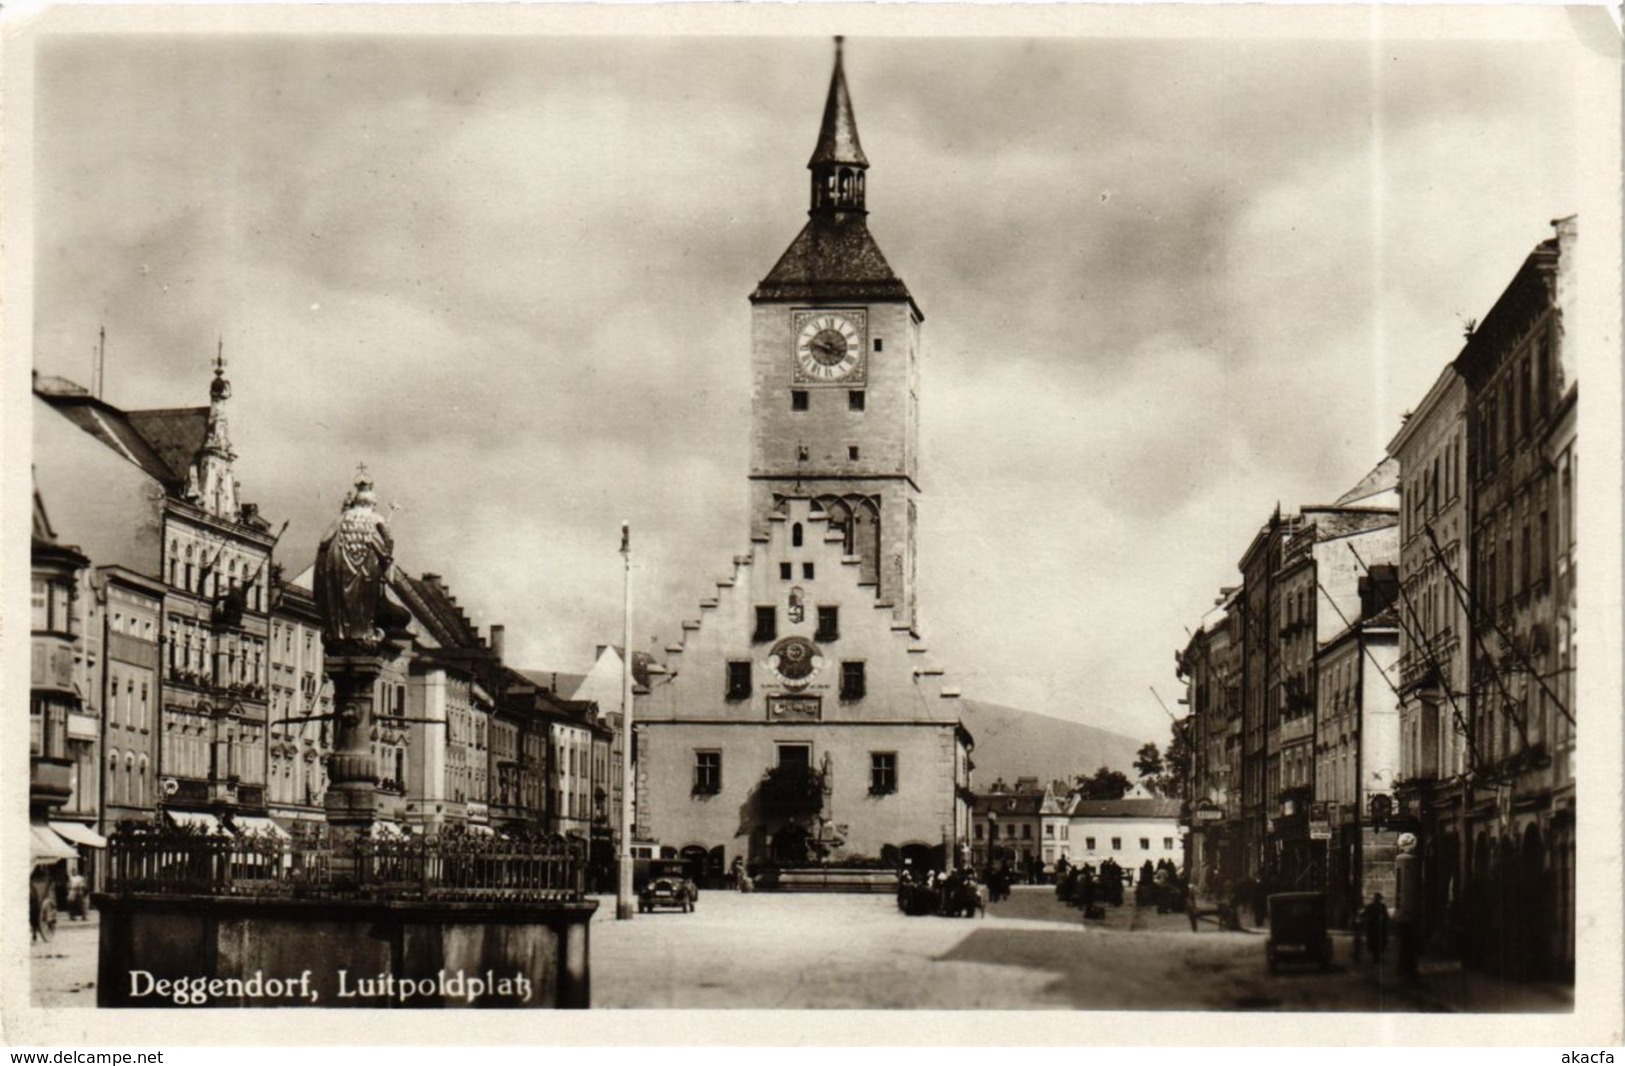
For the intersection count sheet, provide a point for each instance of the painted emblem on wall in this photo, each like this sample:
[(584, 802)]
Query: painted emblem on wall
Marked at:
[(796, 661)]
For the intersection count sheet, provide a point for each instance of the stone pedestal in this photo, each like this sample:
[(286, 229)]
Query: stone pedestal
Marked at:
[(352, 771)]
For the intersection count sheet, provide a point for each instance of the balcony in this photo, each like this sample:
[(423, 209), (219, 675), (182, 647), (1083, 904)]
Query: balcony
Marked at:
[(50, 781)]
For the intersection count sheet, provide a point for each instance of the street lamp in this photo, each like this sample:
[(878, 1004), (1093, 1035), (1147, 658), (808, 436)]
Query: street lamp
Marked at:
[(624, 902)]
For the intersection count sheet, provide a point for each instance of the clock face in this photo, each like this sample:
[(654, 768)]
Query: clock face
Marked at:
[(829, 347)]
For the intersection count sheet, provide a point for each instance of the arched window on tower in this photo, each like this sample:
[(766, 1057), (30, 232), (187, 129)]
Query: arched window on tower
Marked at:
[(840, 520), (795, 535), (863, 539)]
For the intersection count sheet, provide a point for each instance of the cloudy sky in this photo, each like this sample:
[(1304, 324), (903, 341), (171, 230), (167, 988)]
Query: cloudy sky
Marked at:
[(1167, 283)]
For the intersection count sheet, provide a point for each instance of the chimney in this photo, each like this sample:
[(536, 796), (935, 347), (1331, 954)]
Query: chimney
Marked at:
[(497, 633)]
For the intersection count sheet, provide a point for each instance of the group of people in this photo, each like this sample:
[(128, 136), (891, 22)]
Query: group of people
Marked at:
[(1090, 889), (951, 893)]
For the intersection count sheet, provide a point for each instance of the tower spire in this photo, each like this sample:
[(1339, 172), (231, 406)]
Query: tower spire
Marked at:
[(838, 163)]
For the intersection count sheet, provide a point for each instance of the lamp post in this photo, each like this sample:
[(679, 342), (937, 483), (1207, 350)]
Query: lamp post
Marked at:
[(624, 908)]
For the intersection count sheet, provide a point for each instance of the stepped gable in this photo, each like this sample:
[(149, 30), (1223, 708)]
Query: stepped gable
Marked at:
[(935, 701), (432, 603)]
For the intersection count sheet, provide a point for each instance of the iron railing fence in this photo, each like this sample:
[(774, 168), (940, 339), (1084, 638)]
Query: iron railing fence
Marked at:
[(448, 867)]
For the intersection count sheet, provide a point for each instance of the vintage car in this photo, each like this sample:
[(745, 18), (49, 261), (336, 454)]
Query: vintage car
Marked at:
[(1298, 930), (669, 885)]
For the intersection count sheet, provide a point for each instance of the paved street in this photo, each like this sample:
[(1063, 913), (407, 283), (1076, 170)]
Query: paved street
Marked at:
[(777, 951), (810, 951)]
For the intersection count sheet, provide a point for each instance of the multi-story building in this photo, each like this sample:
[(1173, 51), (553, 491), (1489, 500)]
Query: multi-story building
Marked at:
[(441, 757), (1260, 689), (1434, 637), (1356, 723), (1519, 405), (1131, 832), (800, 716), (1012, 818), (132, 608), (296, 778), (160, 500), (56, 710), (1330, 549), (1211, 666)]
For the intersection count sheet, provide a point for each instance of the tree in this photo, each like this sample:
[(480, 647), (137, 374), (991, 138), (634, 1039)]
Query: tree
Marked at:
[(1176, 760), (1167, 772), (1148, 762), (1105, 784)]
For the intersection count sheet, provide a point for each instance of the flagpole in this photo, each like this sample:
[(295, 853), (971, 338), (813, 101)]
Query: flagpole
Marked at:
[(624, 907)]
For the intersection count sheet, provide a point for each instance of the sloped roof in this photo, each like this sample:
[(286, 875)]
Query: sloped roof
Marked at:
[(113, 428), (1126, 808), (838, 134), (175, 433), (434, 607), (554, 681), (832, 258), (1384, 477), (1007, 803)]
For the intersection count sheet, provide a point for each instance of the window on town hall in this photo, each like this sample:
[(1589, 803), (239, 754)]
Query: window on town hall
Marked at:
[(852, 681), (798, 399), (829, 623), (807, 571), (882, 772), (1009, 831), (767, 625), (1117, 843), (1089, 843), (795, 535), (1167, 843), (739, 679), (977, 830), (1145, 843), (786, 571), (1027, 832), (1049, 832), (795, 755), (855, 400), (707, 773)]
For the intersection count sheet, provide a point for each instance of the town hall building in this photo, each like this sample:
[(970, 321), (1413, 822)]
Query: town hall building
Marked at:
[(800, 717)]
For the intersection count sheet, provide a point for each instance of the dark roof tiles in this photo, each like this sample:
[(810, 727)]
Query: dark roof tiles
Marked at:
[(832, 259)]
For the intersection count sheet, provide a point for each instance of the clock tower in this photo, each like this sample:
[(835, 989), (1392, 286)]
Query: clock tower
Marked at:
[(835, 340)]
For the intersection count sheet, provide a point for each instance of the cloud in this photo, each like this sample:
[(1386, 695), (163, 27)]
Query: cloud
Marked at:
[(1167, 284)]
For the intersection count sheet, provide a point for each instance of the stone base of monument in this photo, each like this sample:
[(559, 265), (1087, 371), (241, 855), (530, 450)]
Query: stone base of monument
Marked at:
[(245, 952), (209, 920)]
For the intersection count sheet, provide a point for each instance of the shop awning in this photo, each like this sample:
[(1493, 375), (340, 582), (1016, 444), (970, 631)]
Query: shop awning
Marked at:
[(48, 847), (481, 830), (76, 833), (386, 829), (201, 819), (261, 826)]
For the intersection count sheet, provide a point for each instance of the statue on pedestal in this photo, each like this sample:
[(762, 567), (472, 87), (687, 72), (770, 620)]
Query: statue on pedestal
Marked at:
[(352, 568)]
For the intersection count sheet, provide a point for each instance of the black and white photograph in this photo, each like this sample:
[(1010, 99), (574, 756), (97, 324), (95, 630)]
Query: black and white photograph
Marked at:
[(814, 509)]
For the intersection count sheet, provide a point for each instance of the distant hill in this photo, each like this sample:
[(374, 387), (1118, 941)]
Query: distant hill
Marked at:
[(1012, 743)]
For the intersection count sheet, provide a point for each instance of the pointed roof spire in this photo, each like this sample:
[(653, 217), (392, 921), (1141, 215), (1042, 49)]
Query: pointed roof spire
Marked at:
[(838, 136), (220, 388)]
